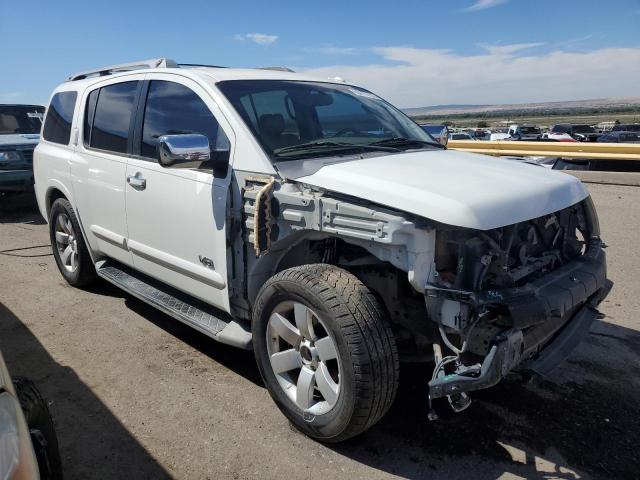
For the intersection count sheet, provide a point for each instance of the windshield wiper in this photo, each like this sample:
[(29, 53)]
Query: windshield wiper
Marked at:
[(329, 145), (401, 141)]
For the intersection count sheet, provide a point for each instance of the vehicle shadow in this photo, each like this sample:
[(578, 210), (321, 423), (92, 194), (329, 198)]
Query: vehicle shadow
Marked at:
[(588, 417), (93, 443)]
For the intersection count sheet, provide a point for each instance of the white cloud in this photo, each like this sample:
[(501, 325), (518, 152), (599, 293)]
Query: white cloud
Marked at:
[(413, 77), (509, 49), (484, 4), (259, 38)]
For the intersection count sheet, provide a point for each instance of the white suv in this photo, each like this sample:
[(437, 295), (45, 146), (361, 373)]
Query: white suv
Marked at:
[(314, 222)]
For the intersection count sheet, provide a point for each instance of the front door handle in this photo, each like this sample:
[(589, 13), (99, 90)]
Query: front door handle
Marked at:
[(136, 181)]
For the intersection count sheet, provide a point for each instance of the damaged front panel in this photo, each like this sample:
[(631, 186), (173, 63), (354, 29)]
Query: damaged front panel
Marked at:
[(386, 235)]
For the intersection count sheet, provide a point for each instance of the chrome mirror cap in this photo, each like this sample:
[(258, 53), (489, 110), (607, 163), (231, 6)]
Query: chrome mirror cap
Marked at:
[(180, 150), (444, 136)]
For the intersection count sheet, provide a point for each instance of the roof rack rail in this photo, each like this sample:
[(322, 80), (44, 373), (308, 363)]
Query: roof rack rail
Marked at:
[(125, 67), (277, 69), (200, 65)]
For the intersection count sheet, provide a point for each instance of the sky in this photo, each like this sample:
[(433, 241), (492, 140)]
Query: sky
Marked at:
[(413, 53)]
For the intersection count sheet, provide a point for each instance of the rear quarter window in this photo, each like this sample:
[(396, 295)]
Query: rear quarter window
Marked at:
[(57, 124)]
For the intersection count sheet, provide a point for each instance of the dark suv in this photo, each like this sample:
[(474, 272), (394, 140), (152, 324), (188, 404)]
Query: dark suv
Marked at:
[(582, 133), (19, 134), (626, 127)]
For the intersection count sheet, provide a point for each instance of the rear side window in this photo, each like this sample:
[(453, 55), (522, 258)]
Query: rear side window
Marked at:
[(112, 117), (173, 109), (57, 124)]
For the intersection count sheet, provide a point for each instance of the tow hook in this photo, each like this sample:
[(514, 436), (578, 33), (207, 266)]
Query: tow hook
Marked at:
[(503, 356)]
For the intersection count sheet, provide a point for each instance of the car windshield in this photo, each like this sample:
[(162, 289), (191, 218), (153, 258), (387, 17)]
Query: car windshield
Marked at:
[(583, 129), (297, 119), (20, 119)]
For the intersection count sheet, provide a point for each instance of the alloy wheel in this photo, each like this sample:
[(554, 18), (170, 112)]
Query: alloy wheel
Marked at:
[(66, 243), (304, 357)]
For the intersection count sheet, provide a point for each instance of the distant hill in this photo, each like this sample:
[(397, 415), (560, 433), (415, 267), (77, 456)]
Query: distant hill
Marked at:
[(622, 103)]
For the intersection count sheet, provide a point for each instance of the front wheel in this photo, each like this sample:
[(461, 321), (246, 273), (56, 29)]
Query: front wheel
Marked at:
[(325, 351)]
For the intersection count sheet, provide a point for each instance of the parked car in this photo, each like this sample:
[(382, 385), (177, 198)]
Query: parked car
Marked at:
[(620, 137), (439, 132), (581, 133), (495, 136), (481, 134), (28, 442), (525, 132), (19, 133), (558, 137), (230, 200), (626, 127), (460, 136)]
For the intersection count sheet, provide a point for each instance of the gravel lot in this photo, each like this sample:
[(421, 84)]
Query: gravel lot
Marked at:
[(135, 394)]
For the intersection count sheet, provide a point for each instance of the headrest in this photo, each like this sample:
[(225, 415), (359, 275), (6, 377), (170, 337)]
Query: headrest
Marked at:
[(271, 124)]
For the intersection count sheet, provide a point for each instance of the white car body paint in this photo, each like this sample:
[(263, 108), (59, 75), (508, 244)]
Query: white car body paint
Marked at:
[(454, 188)]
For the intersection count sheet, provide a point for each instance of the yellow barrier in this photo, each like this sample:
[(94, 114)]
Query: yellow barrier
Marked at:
[(586, 150)]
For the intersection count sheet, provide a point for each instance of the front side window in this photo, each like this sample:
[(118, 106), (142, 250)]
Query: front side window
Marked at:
[(112, 117), (57, 124), (173, 109), (22, 119), (295, 119)]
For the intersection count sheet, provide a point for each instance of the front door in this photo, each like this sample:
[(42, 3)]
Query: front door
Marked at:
[(176, 216)]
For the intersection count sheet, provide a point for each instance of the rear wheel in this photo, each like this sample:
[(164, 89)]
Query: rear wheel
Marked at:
[(69, 249), (325, 351)]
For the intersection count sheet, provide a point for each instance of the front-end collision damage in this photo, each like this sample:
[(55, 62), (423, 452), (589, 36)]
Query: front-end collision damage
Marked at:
[(517, 297), (479, 303)]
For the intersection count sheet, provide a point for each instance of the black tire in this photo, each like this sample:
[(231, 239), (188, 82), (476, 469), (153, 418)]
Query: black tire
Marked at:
[(364, 342), (85, 272), (40, 423)]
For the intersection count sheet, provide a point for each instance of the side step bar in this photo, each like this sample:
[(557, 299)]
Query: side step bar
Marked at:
[(203, 317)]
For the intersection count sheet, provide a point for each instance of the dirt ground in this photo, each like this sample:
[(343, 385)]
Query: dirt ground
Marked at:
[(135, 394)]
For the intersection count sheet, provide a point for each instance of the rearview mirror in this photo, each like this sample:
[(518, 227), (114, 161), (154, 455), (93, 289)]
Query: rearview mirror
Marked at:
[(190, 150)]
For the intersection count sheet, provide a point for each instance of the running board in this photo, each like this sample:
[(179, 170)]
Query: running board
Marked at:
[(197, 314)]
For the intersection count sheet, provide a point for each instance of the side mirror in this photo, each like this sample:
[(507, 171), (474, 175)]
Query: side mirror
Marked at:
[(190, 150), (444, 136)]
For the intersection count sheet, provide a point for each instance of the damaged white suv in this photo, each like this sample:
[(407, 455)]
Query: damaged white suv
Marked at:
[(314, 222)]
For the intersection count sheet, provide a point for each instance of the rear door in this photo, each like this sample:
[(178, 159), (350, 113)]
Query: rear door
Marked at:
[(176, 216), (99, 164)]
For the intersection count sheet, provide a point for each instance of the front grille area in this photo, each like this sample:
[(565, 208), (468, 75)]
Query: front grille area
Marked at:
[(513, 255), (27, 155)]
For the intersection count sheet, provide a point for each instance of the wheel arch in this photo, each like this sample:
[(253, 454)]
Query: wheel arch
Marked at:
[(301, 248), (55, 191)]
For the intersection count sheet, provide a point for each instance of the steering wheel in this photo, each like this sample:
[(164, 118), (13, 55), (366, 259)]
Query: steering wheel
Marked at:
[(340, 133)]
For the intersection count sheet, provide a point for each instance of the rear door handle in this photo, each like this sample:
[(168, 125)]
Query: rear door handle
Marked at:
[(137, 182)]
